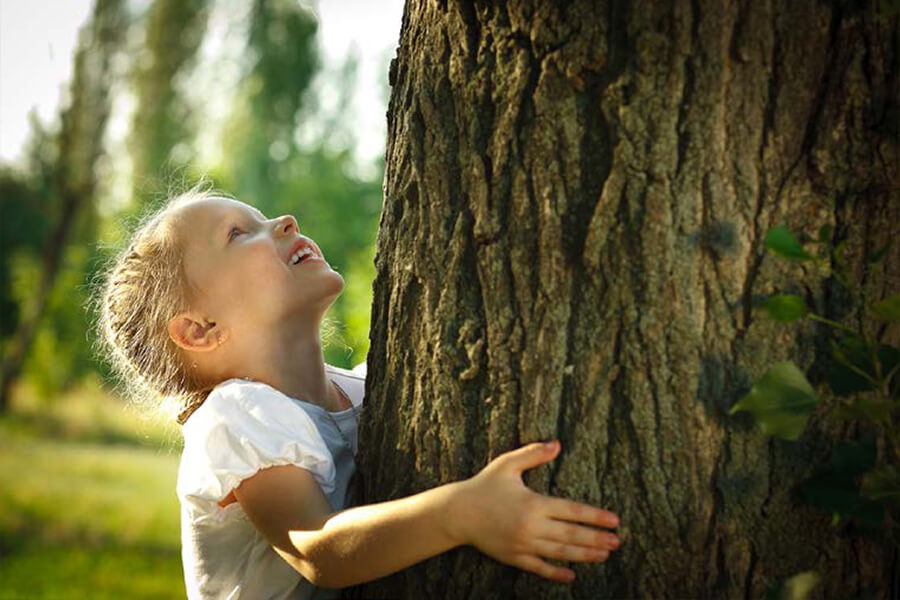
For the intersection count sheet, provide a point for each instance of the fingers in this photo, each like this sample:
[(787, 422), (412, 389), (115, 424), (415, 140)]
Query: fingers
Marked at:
[(540, 567), (569, 552), (559, 508), (529, 456), (569, 533)]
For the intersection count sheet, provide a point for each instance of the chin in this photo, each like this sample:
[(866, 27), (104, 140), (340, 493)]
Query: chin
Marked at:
[(319, 294), (337, 282), (331, 288)]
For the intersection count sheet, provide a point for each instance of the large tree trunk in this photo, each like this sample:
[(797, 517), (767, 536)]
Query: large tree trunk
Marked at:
[(571, 247)]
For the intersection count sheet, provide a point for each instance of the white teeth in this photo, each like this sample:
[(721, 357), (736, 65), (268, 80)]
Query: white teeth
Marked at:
[(300, 254)]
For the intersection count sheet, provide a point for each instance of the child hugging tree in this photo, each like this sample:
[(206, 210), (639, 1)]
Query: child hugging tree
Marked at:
[(218, 309)]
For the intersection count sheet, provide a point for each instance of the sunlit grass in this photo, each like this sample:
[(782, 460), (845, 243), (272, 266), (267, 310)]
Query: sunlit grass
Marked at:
[(55, 572), (90, 414), (87, 501)]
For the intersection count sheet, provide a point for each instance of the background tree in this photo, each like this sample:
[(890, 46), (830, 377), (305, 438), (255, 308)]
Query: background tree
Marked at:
[(260, 134), (572, 246), (162, 125), (27, 211), (73, 181)]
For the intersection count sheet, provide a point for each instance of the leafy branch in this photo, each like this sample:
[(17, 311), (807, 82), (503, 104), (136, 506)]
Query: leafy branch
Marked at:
[(863, 378)]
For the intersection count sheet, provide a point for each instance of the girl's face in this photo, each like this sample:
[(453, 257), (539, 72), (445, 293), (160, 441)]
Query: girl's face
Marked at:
[(244, 270)]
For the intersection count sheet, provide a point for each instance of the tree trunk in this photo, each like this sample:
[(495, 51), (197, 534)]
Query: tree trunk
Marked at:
[(80, 143), (163, 123), (571, 247)]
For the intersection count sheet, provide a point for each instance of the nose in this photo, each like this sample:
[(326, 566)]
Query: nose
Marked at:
[(286, 224)]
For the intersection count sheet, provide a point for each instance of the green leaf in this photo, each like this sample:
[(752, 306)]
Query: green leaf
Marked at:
[(888, 309), (877, 410), (850, 459), (785, 308), (835, 494), (839, 250), (800, 586), (879, 254), (781, 401), (868, 513), (843, 380), (836, 490), (882, 485), (830, 492), (783, 243)]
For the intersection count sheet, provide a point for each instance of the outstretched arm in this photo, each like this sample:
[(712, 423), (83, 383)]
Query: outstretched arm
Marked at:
[(493, 511)]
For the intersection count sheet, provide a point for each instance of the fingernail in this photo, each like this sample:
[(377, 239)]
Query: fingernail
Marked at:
[(550, 445)]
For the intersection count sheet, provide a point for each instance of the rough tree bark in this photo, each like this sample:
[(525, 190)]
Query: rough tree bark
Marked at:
[(571, 247)]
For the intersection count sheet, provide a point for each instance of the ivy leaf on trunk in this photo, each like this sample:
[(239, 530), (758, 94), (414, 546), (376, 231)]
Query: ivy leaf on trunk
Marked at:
[(781, 401)]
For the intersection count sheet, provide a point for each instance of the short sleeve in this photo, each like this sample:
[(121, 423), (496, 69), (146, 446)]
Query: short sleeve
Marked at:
[(244, 427)]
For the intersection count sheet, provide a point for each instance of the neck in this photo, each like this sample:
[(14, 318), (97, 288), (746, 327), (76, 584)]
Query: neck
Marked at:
[(290, 360)]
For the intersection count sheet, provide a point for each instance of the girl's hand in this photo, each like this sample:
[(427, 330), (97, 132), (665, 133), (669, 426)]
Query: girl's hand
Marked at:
[(504, 519)]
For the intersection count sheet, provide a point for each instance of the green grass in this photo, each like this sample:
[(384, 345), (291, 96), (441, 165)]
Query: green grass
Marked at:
[(87, 501)]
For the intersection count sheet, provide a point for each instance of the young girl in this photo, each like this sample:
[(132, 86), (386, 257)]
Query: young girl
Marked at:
[(218, 307)]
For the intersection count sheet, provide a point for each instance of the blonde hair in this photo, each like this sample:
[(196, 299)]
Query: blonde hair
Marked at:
[(145, 287)]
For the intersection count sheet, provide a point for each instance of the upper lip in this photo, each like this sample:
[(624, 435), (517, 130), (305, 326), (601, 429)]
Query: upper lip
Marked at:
[(300, 244)]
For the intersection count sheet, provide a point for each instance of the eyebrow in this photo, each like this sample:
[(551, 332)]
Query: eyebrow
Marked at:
[(231, 216)]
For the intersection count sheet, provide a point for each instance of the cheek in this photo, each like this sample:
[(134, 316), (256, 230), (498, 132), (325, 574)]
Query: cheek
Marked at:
[(265, 278), (246, 277), (263, 266)]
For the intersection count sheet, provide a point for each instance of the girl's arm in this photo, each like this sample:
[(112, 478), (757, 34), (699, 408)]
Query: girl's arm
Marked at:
[(493, 511)]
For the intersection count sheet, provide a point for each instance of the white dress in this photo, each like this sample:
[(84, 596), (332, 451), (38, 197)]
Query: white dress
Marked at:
[(242, 427)]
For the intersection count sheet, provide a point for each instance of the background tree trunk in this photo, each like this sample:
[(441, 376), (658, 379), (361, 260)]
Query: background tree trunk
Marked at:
[(162, 126), (571, 246), (80, 144)]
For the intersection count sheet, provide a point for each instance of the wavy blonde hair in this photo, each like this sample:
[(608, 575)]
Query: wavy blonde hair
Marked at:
[(142, 289)]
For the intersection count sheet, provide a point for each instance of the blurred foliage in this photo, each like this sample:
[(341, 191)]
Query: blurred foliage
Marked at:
[(63, 168), (260, 133), (336, 199), (26, 209), (172, 31), (59, 353)]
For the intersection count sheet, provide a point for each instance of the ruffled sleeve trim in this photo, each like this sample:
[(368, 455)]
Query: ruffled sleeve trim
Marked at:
[(242, 428)]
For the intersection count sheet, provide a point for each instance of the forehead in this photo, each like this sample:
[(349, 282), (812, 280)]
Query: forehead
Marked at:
[(203, 217)]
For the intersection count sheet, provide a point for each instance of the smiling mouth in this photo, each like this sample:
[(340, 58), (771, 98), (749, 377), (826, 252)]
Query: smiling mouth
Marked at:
[(309, 259), (304, 255)]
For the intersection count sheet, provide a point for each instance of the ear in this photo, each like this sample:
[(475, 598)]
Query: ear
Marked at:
[(194, 332)]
